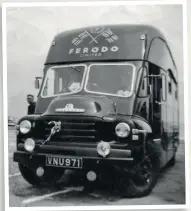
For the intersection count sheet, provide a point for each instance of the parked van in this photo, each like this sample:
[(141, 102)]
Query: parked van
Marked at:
[(108, 100)]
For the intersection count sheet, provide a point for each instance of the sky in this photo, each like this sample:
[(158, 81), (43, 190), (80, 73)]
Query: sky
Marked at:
[(30, 32)]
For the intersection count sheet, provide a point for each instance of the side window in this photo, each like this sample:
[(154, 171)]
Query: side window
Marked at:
[(49, 88), (164, 88)]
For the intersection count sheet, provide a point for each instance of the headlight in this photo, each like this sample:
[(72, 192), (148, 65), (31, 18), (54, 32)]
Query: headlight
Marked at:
[(103, 148), (29, 144), (25, 126), (122, 130)]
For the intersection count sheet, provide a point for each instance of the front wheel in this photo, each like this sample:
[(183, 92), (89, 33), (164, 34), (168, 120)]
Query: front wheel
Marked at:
[(49, 178), (144, 177), (140, 184)]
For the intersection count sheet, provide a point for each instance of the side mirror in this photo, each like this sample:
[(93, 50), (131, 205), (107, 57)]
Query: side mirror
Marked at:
[(37, 82)]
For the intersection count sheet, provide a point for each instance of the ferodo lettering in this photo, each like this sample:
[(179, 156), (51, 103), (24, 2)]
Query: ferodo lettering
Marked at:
[(98, 50)]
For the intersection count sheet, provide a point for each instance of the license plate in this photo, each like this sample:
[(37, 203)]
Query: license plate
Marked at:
[(66, 162)]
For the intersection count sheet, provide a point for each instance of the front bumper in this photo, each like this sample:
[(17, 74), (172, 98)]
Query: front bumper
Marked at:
[(74, 149), (39, 159)]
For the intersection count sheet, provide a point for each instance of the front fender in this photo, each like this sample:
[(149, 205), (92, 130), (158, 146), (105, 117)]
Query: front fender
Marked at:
[(142, 124)]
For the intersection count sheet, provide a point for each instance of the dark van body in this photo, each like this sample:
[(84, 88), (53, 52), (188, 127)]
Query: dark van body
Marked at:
[(108, 100)]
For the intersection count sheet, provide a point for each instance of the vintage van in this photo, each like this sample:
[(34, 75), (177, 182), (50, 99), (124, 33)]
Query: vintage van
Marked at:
[(108, 100)]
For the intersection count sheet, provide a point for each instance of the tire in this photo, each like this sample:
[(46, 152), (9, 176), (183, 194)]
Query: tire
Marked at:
[(141, 184), (50, 177)]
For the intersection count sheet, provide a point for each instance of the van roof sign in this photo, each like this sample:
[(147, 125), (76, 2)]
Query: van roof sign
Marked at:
[(110, 42)]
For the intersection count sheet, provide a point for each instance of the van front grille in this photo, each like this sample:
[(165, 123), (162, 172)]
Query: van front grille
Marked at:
[(73, 128)]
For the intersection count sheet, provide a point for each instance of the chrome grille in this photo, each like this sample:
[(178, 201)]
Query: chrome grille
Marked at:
[(72, 129)]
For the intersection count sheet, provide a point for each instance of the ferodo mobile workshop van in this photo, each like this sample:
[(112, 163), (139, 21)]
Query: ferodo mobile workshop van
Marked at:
[(108, 100)]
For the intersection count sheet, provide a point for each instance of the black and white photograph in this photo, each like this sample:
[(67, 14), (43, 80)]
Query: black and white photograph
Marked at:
[(95, 105)]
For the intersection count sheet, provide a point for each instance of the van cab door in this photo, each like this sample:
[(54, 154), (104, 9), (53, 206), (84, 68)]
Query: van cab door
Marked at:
[(156, 107), (159, 114), (155, 98)]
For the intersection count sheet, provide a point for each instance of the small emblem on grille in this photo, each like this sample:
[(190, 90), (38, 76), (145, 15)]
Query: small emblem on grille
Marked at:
[(69, 108)]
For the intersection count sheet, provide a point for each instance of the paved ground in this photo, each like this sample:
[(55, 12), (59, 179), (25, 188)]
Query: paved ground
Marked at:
[(169, 190)]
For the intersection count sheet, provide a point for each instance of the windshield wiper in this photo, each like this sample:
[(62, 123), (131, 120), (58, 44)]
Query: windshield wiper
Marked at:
[(74, 68)]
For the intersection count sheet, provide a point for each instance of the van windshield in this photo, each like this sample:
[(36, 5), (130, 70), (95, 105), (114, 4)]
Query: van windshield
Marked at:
[(110, 79), (62, 80)]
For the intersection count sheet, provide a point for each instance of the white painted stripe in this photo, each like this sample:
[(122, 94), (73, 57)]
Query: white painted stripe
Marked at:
[(40, 198), (14, 175)]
